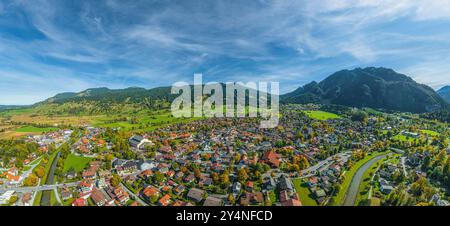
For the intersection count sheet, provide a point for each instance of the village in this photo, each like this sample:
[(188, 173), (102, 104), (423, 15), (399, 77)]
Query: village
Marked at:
[(225, 162)]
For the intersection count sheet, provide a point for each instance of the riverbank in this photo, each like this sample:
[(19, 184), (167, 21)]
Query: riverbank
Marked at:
[(349, 175)]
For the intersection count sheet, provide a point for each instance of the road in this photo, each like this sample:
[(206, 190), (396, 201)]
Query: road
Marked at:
[(404, 166), (133, 195), (40, 188), (353, 189), (327, 162)]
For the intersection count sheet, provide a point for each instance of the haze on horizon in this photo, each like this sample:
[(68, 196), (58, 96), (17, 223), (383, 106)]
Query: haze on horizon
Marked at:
[(49, 46)]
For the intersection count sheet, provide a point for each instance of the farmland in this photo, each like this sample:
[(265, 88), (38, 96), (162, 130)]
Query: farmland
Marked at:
[(321, 115)]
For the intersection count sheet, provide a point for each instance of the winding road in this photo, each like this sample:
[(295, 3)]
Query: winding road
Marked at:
[(353, 189)]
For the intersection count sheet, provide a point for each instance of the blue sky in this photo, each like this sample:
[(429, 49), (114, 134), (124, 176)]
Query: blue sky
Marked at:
[(48, 47)]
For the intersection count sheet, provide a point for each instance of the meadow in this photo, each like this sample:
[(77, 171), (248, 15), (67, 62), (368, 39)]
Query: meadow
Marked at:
[(321, 115), (78, 163), (32, 129), (305, 195)]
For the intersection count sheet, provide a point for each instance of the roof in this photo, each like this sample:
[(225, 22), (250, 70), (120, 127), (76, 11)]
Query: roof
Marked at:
[(165, 200), (272, 158), (97, 196), (196, 194), (291, 202), (212, 201), (150, 191)]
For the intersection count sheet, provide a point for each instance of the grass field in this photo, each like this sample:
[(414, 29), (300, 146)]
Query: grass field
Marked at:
[(429, 132), (321, 115), (401, 137), (349, 176), (32, 129), (37, 199), (77, 162), (306, 197), (53, 200)]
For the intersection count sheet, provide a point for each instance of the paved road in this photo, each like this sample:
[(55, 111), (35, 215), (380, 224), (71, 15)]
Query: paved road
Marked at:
[(133, 195), (353, 189), (404, 166), (39, 188)]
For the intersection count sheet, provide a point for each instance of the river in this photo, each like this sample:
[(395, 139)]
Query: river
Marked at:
[(353, 189), (45, 200)]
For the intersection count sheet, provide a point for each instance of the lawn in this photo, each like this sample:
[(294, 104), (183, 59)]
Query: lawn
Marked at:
[(401, 137), (37, 199), (77, 162), (32, 129), (321, 115), (53, 200), (306, 197), (429, 132), (349, 176)]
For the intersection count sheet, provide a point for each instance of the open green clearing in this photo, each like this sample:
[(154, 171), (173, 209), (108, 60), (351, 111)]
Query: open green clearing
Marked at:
[(306, 197), (350, 173), (321, 115), (401, 137), (15, 111), (37, 199), (429, 132), (32, 129), (76, 162)]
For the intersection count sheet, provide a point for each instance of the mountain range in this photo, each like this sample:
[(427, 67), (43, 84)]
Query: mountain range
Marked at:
[(379, 88), (445, 93)]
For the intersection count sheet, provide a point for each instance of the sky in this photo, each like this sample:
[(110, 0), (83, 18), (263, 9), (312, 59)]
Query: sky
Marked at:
[(53, 46)]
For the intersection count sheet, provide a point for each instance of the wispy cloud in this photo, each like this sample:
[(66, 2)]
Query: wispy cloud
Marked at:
[(119, 43)]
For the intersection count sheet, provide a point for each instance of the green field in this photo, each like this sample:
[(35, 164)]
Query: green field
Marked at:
[(77, 162), (429, 132), (143, 121), (32, 129), (321, 115), (37, 199), (349, 176), (306, 197), (15, 112)]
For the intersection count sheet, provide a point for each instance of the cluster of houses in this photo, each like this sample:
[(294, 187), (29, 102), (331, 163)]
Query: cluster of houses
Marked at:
[(90, 140), (321, 184), (44, 140)]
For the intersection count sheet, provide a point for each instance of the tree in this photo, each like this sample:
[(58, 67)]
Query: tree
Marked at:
[(13, 200), (225, 179), (31, 180), (215, 177), (39, 171), (418, 187), (116, 180), (197, 173), (158, 177), (231, 198), (242, 175)]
